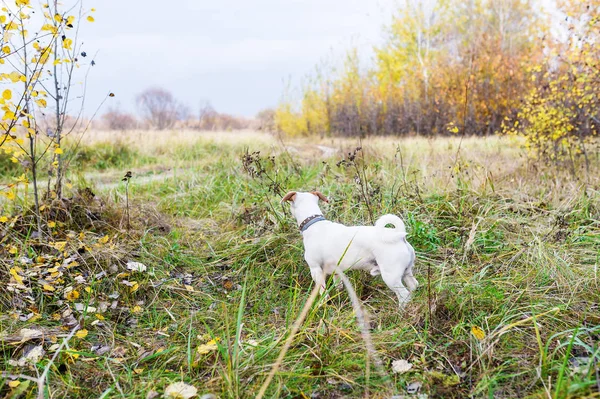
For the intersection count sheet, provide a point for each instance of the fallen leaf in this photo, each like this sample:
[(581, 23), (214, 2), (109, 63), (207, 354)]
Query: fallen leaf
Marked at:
[(30, 333), (81, 333), (19, 390), (101, 349), (413, 387), (152, 395), (180, 390), (82, 307), (478, 333), (136, 266), (35, 354), (72, 295), (208, 347), (401, 366), (14, 384)]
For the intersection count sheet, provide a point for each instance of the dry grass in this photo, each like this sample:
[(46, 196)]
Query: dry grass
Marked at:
[(503, 243)]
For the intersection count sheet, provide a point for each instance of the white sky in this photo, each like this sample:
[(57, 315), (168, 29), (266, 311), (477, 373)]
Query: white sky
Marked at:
[(237, 54)]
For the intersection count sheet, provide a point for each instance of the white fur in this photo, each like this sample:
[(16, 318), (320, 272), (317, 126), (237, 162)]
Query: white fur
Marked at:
[(376, 249)]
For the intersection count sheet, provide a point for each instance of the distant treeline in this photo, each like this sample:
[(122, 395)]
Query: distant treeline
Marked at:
[(474, 67)]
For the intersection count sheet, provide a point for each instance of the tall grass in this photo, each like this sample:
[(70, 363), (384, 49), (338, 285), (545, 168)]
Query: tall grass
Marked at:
[(511, 247)]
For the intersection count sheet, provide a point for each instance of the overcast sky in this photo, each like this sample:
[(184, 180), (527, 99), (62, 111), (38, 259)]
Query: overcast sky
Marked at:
[(237, 54)]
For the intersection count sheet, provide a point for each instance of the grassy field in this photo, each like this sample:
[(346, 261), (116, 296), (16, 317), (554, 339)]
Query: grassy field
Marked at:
[(504, 245)]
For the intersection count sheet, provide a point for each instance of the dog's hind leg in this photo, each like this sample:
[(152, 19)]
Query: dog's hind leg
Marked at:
[(410, 281), (393, 280), (408, 278)]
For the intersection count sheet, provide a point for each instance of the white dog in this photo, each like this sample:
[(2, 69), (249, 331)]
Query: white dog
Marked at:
[(377, 249)]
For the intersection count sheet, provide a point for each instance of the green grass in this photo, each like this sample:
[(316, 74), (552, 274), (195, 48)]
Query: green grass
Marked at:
[(504, 242)]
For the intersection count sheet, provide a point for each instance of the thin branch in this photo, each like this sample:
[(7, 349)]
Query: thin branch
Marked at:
[(42, 379)]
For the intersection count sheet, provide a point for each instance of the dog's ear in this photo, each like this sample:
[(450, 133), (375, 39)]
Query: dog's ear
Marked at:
[(320, 195), (289, 197)]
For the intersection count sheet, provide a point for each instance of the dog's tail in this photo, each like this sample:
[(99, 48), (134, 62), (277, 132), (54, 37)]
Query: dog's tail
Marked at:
[(397, 234)]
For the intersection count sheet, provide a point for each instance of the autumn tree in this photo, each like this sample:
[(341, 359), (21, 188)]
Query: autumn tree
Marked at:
[(561, 112), (159, 108), (446, 65), (40, 57), (266, 120), (115, 119)]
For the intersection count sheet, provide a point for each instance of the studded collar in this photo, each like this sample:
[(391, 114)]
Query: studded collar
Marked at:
[(309, 221)]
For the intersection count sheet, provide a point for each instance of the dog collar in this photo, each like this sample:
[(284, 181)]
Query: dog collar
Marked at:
[(309, 221)]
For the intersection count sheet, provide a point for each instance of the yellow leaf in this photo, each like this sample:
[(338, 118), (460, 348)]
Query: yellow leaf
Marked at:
[(41, 102), (6, 50), (81, 333), (48, 287), (68, 43), (88, 290), (103, 240), (14, 384), (13, 250), (208, 347), (180, 390), (3, 219), (70, 20), (58, 151), (72, 295), (99, 316), (58, 18), (49, 28), (90, 18), (478, 333), (14, 76), (15, 273), (7, 94), (52, 224), (136, 309), (21, 3), (138, 371), (9, 116), (59, 245)]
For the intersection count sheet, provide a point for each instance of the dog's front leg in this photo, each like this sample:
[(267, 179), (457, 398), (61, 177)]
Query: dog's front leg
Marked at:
[(318, 277)]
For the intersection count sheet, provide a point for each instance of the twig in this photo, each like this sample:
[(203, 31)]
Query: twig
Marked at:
[(6, 374), (42, 379), (115, 380)]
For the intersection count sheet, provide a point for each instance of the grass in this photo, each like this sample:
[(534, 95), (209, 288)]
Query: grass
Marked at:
[(503, 244)]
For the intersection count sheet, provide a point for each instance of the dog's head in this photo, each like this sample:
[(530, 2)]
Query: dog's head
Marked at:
[(299, 199)]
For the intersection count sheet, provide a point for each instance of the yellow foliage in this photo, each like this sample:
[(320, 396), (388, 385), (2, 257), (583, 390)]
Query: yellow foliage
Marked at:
[(289, 121)]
